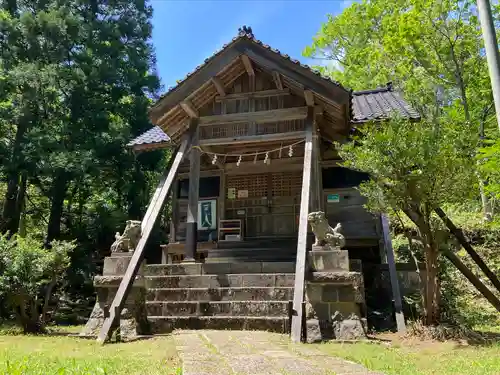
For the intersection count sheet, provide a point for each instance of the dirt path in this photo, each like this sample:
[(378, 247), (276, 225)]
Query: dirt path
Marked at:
[(255, 353)]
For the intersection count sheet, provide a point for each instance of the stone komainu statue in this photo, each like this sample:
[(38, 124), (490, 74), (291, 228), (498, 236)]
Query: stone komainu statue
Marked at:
[(325, 234), (128, 241)]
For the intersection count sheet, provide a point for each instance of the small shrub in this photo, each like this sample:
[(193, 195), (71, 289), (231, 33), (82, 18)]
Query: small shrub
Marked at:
[(29, 274)]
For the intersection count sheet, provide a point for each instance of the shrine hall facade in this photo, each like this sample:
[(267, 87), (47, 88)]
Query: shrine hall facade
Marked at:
[(253, 113)]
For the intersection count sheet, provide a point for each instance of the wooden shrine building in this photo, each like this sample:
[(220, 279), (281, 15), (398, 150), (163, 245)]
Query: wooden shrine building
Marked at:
[(256, 116), (251, 132)]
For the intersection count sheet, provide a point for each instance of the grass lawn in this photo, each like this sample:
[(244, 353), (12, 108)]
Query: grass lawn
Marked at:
[(62, 355), (415, 357)]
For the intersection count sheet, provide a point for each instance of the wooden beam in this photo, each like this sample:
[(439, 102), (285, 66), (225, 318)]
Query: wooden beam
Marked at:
[(277, 80), (495, 302), (151, 146), (396, 293), (193, 197), (138, 255), (300, 265), (189, 109), (158, 190), (276, 165), (218, 162), (468, 247), (253, 95), (194, 82), (267, 60), (248, 65), (252, 139), (219, 86), (206, 173), (309, 96), (285, 114)]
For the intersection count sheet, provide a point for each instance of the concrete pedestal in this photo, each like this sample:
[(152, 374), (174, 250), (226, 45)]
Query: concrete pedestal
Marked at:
[(335, 298), (133, 318)]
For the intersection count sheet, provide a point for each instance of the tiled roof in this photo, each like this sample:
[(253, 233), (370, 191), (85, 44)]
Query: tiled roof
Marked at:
[(246, 33), (368, 105), (153, 135), (380, 104)]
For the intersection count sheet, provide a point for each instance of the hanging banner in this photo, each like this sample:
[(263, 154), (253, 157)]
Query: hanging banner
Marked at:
[(207, 214)]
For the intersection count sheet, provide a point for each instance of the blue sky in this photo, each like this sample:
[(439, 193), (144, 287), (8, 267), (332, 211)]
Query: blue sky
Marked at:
[(186, 32)]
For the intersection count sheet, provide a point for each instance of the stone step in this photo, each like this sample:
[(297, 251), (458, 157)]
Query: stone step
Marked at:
[(220, 294), (253, 255), (218, 268), (166, 324), (215, 308), (217, 281)]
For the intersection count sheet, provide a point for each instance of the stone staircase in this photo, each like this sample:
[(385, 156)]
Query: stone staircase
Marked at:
[(233, 296), (242, 296)]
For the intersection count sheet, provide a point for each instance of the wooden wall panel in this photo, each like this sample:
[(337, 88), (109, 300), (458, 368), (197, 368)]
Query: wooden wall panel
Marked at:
[(357, 222)]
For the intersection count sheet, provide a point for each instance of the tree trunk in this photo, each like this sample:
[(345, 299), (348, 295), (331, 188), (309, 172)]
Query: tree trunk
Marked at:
[(431, 251), (29, 320), (58, 194), (432, 295), (9, 223), (20, 207), (46, 302), (10, 213)]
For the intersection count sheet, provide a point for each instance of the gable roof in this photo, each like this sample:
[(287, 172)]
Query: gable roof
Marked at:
[(226, 65), (368, 105), (244, 34)]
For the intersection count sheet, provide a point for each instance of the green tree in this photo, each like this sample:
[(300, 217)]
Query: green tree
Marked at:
[(431, 50), (29, 275), (96, 64), (76, 80), (414, 167)]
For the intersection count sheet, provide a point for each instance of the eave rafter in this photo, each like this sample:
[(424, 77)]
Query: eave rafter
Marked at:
[(277, 80), (248, 65), (219, 86), (188, 107)]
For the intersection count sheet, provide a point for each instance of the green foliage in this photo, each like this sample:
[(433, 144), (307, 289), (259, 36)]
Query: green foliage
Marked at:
[(431, 50), (420, 45), (29, 274), (422, 164), (489, 158), (76, 81), (414, 167)]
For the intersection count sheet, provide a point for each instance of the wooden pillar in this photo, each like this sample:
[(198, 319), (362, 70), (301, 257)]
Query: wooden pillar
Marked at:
[(175, 212), (316, 174), (222, 197), (396, 294), (194, 185), (300, 265)]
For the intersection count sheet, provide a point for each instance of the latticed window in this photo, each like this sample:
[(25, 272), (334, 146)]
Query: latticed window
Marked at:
[(255, 184), (286, 184)]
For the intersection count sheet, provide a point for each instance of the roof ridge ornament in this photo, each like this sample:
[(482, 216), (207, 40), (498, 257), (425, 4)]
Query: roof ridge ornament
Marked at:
[(245, 31)]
